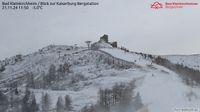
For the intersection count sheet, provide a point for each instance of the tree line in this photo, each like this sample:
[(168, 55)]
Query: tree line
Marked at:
[(27, 103), (117, 99), (53, 75), (190, 76)]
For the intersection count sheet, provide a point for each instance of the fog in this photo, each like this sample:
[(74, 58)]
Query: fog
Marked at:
[(132, 23)]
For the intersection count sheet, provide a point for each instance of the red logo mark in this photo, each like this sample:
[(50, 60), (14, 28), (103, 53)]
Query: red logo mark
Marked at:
[(156, 5)]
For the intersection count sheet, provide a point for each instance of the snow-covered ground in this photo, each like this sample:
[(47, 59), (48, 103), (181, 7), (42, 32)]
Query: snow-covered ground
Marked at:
[(191, 61), (161, 90), (131, 57)]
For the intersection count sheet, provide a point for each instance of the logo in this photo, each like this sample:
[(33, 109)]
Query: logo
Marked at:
[(156, 5), (172, 5)]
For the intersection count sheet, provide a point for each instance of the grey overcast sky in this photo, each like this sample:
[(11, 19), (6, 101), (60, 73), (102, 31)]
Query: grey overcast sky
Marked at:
[(130, 22)]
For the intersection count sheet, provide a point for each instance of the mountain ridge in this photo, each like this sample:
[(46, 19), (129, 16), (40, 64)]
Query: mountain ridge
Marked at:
[(88, 70)]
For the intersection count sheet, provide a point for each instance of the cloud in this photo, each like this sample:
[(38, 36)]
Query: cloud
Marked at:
[(132, 23)]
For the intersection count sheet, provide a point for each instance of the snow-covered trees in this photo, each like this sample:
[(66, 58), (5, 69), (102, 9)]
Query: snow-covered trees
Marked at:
[(137, 102), (29, 102), (190, 76), (50, 76), (25, 101), (30, 80), (51, 73), (3, 102), (60, 105), (2, 68), (105, 98), (125, 49), (45, 102), (68, 103), (120, 94), (62, 70), (41, 82), (33, 105), (117, 99), (18, 103), (49, 79), (77, 77)]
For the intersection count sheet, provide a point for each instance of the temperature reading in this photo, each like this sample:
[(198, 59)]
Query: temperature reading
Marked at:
[(39, 7)]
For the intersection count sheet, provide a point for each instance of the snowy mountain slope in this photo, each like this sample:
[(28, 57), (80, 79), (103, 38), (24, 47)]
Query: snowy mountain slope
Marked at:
[(89, 94), (97, 68), (191, 61), (130, 57), (160, 88), (40, 61), (36, 62)]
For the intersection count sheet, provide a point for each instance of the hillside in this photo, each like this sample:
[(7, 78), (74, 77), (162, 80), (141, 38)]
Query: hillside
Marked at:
[(192, 61), (81, 73)]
